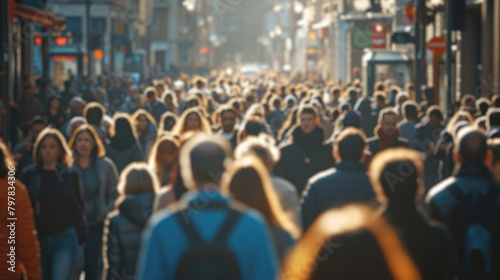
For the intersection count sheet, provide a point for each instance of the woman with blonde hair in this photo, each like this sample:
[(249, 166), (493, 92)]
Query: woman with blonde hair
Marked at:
[(192, 120), (55, 191), (164, 158), (167, 123), (124, 147), (99, 178), (146, 130), (123, 227), (170, 99), (249, 182)]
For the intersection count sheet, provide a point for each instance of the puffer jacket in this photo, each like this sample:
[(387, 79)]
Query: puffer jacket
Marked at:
[(293, 164), (99, 199), (122, 235)]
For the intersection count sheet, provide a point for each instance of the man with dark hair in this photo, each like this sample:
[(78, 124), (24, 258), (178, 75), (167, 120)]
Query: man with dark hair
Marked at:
[(346, 183), (493, 123), (304, 155), (426, 136), (407, 124), (206, 214), (482, 106), (334, 97), (228, 120), (154, 106), (469, 204), (94, 113), (468, 103), (396, 179), (386, 133)]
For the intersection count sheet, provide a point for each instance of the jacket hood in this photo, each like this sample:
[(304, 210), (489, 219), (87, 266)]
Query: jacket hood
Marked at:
[(137, 208), (308, 141)]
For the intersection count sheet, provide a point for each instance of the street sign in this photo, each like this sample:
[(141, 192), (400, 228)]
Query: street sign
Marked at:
[(437, 45), (379, 35)]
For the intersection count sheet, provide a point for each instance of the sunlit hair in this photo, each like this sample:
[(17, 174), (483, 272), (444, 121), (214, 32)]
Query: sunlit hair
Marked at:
[(142, 112), (135, 179), (397, 173), (98, 150), (126, 117), (249, 182), (307, 109), (255, 109), (164, 144), (201, 165), (181, 126), (262, 146), (276, 102), (309, 258), (6, 160), (171, 94), (164, 118), (290, 121), (385, 112), (93, 112), (65, 156), (459, 116)]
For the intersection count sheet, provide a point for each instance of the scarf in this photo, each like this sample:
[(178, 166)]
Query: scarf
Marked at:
[(385, 140)]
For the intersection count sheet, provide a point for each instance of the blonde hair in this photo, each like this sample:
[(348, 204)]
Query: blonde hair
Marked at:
[(98, 150), (65, 157), (180, 127), (250, 183)]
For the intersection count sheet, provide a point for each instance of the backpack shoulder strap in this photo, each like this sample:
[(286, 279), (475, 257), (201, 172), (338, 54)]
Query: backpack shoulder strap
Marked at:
[(188, 226), (227, 226)]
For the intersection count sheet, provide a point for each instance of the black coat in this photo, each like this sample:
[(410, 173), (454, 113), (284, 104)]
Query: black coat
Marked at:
[(373, 144), (346, 183), (122, 235), (292, 164)]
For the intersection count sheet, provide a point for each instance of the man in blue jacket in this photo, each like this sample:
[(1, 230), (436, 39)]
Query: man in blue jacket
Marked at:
[(346, 183), (166, 242)]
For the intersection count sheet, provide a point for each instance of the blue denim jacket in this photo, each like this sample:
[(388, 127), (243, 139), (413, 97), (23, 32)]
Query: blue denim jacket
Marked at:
[(164, 241)]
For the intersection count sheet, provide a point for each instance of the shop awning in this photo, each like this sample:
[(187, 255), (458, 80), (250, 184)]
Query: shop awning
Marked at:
[(41, 17)]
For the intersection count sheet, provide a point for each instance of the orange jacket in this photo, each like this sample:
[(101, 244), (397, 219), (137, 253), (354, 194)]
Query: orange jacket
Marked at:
[(27, 252)]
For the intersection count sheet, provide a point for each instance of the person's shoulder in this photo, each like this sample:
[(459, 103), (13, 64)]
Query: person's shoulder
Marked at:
[(403, 141), (373, 139), (29, 170), (323, 177), (441, 190), (19, 147)]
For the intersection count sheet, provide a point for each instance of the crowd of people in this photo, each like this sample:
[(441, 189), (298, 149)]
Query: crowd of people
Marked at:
[(235, 177)]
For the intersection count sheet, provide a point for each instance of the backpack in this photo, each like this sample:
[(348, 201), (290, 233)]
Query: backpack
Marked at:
[(208, 260), (478, 225)]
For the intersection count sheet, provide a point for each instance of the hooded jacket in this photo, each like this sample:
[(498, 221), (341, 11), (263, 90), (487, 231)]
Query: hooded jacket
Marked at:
[(303, 157), (149, 139), (124, 149), (122, 235)]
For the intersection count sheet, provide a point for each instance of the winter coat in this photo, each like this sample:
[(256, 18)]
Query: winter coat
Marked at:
[(148, 140), (303, 157), (122, 235), (346, 183), (99, 199), (122, 153)]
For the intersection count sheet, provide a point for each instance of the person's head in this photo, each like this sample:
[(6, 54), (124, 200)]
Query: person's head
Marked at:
[(470, 147), (495, 100), (262, 146), (122, 125), (248, 181), (54, 103), (150, 94), (76, 105), (435, 116), (468, 102), (170, 99), (142, 119), (192, 101), (401, 97), (36, 126), (353, 234), (203, 160), (379, 86), (396, 176), (307, 118), (251, 126), (85, 142), (335, 93), (50, 147), (493, 117), (167, 121), (137, 178), (380, 97), (482, 105), (350, 145), (387, 121), (480, 122), (410, 110), (228, 118), (6, 161), (94, 113), (459, 116), (192, 120), (164, 152)]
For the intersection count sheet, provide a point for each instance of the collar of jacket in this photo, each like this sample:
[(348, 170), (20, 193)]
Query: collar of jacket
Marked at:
[(474, 169), (350, 165), (200, 200), (308, 140)]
